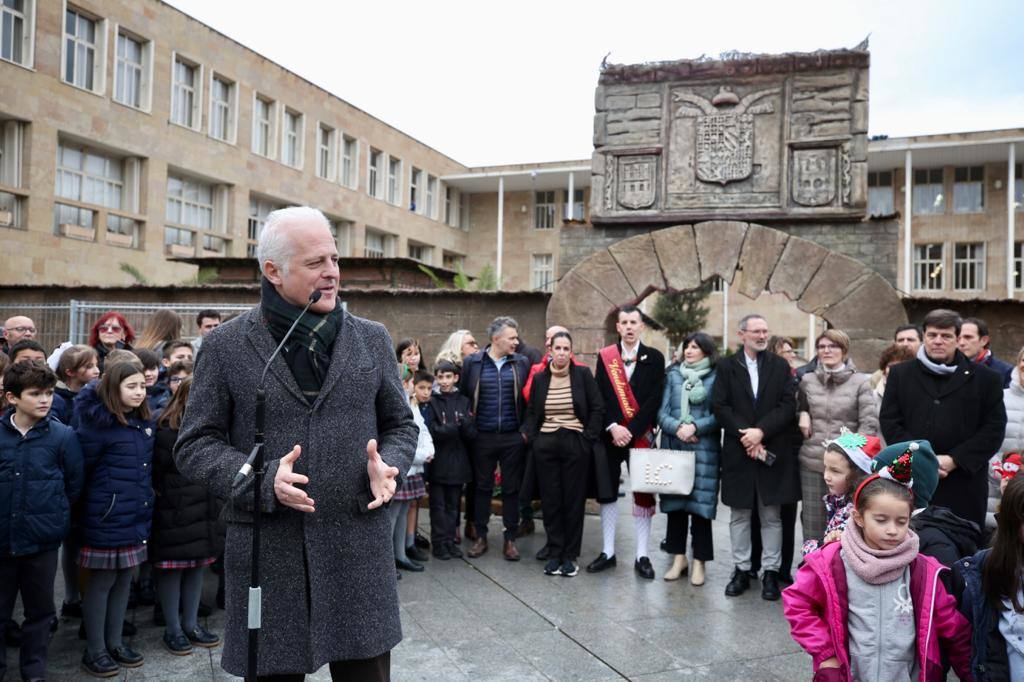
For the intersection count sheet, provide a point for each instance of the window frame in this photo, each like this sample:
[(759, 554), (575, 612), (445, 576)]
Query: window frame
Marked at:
[(331, 148), (940, 264), (393, 178), (970, 183), (13, 196), (546, 283), (430, 209), (200, 236), (375, 173), (231, 126), (549, 206), (875, 183), (415, 188), (300, 137), (254, 219), (1018, 265), (99, 70), (271, 137), (387, 241), (28, 39), (426, 251), (145, 69), (941, 182), (582, 203), (969, 265), (349, 163), (197, 91)]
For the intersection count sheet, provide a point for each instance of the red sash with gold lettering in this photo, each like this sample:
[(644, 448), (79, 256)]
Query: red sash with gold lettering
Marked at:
[(643, 503)]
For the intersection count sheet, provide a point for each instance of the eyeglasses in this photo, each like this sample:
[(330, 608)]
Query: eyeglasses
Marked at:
[(109, 328), (828, 346), (175, 380), (22, 330)]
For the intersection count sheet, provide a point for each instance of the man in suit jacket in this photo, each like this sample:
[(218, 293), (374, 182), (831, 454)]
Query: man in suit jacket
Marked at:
[(956, 404), (640, 370), (754, 401), (333, 398)]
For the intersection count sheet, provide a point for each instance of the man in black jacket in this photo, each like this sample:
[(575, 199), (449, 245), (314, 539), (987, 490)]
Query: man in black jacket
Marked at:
[(975, 343), (754, 401), (957, 405), (638, 372)]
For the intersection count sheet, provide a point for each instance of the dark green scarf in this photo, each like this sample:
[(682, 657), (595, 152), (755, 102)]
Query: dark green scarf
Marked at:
[(308, 351)]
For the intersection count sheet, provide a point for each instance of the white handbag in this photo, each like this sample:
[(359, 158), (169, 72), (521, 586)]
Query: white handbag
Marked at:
[(661, 472)]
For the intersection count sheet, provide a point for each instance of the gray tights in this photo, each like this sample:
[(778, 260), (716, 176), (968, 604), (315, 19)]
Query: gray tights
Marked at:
[(103, 607), (181, 586), (398, 513)]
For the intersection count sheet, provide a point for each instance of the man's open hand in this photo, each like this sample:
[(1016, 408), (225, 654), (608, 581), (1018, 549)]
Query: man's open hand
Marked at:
[(382, 476), (285, 482)]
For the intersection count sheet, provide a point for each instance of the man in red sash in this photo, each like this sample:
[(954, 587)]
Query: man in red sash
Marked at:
[(631, 377)]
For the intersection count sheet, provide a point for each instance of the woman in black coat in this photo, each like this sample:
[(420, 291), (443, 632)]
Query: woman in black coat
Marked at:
[(185, 537), (563, 424)]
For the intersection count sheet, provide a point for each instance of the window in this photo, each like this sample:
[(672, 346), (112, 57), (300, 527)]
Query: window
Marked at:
[(342, 231), (577, 203), (415, 180), (394, 180), (420, 252), (84, 50), (195, 207), (717, 284), (11, 204), (542, 272), (928, 267), (969, 189), (259, 209), (263, 126), (291, 140), (1018, 188), (430, 209), (969, 266), (378, 244), (928, 197), (349, 161), (131, 72), (186, 93), (325, 144), (374, 172), (880, 194), (17, 18), (544, 210), (1018, 265), (222, 108), (464, 211), (106, 185), (448, 191), (452, 261)]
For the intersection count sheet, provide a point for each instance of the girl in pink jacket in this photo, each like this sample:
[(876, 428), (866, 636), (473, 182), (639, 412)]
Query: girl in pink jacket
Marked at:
[(869, 607)]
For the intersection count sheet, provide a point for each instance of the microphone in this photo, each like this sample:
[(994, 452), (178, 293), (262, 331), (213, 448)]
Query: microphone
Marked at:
[(246, 469)]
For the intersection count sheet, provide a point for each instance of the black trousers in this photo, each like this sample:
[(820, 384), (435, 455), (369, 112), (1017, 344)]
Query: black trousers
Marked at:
[(444, 512), (789, 516), (376, 669), (562, 460), (489, 450), (679, 523), (33, 576)]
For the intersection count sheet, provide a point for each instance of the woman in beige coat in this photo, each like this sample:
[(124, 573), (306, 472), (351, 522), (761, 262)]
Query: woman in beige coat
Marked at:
[(834, 395)]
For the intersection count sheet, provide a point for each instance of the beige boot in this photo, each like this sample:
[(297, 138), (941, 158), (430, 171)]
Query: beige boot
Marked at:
[(678, 568), (697, 574)]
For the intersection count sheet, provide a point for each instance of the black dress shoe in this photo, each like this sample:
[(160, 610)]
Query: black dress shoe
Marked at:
[(200, 636), (601, 563), (441, 552), (101, 665), (786, 578), (177, 644), (126, 656), (416, 554), (543, 554), (409, 566), (770, 586), (643, 568), (421, 541), (454, 551), (739, 584)]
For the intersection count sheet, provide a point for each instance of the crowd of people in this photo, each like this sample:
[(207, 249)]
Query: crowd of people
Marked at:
[(899, 478)]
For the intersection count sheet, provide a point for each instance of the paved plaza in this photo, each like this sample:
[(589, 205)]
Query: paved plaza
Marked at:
[(490, 619)]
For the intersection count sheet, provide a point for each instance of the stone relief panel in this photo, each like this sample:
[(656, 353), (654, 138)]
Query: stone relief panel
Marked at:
[(813, 173)]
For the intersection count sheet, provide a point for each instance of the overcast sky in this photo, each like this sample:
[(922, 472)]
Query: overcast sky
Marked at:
[(490, 83)]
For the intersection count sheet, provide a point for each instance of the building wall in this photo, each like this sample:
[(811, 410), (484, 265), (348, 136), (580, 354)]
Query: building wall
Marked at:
[(52, 109)]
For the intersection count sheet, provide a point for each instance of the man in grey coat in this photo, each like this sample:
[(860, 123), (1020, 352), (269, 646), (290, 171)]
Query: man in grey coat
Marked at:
[(333, 399)]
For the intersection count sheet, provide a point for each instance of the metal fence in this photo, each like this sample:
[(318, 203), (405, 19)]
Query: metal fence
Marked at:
[(59, 322)]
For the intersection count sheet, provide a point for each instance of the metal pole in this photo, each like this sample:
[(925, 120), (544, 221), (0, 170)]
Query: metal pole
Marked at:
[(501, 226), (1011, 179), (725, 316), (255, 609), (73, 322), (908, 190), (570, 203)]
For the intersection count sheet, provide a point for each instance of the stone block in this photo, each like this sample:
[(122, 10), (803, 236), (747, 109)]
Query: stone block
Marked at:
[(676, 248), (761, 251), (837, 277), (604, 274), (639, 263), (865, 352), (859, 117), (599, 96), (859, 148), (860, 87), (600, 129), (650, 100), (617, 128), (597, 163), (718, 247), (799, 261), (638, 114), (873, 309), (859, 183), (639, 125), (577, 302), (635, 138), (619, 102)]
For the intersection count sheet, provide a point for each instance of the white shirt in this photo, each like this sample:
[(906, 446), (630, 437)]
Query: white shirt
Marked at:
[(629, 355), (752, 371)]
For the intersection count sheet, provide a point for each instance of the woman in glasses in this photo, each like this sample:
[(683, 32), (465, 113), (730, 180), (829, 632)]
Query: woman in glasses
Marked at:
[(110, 332), (834, 395)]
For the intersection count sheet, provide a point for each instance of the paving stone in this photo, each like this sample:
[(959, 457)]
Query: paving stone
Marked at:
[(639, 263), (718, 247), (837, 277), (676, 248), (762, 248), (799, 261)]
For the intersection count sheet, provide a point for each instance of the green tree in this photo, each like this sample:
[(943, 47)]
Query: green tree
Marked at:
[(682, 312)]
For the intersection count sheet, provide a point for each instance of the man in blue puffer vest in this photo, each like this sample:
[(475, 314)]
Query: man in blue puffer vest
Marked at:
[(40, 477)]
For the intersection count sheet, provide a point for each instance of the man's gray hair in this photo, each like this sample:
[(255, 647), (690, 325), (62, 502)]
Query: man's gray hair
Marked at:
[(748, 318), (274, 244), (499, 324)]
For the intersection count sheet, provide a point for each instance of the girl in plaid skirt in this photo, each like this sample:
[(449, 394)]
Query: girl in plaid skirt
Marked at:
[(412, 487)]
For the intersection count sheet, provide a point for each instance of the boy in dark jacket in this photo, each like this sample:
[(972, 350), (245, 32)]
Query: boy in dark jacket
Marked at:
[(452, 427), (40, 477)]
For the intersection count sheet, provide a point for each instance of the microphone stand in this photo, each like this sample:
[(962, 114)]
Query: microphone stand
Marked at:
[(255, 464)]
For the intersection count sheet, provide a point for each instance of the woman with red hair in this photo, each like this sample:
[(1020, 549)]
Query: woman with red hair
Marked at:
[(111, 331)]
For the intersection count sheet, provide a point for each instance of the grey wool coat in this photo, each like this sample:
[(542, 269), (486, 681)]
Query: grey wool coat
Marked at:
[(328, 577)]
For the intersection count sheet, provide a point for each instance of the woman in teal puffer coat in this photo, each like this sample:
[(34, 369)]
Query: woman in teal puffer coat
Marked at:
[(687, 423)]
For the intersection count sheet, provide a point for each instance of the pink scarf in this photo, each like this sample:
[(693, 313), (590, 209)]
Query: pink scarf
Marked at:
[(876, 566)]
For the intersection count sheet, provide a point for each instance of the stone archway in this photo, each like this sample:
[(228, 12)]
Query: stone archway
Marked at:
[(753, 258)]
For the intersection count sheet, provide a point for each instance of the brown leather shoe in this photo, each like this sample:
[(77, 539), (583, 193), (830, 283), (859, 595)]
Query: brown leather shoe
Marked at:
[(470, 532), (479, 547), (510, 551)]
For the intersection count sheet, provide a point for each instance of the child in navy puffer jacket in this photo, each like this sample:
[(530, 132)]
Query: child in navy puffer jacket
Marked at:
[(117, 438)]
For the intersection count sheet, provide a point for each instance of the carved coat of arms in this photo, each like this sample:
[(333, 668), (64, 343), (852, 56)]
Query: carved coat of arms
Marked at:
[(814, 176), (725, 131), (636, 181)]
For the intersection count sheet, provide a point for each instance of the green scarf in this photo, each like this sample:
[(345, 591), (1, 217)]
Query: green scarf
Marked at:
[(692, 390), (308, 351)]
